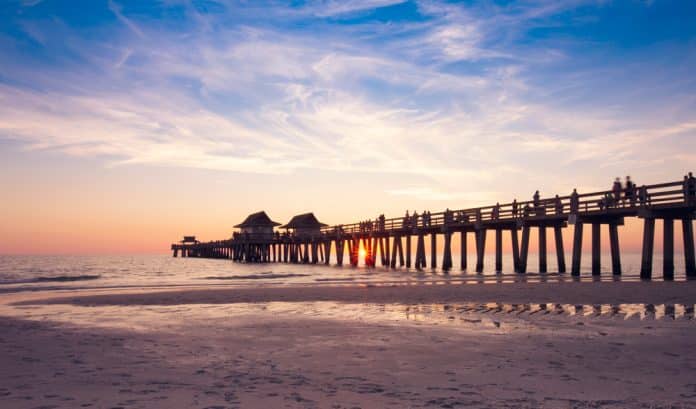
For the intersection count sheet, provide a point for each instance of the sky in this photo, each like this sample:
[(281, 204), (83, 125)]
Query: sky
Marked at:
[(126, 124)]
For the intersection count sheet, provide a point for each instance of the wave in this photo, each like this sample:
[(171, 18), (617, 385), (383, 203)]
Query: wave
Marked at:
[(254, 276), (52, 279)]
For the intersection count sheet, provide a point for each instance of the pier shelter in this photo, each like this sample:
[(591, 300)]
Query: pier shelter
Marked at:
[(305, 225), (258, 226)]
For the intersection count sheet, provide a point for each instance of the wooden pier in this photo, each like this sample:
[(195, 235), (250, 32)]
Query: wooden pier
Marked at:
[(390, 240)]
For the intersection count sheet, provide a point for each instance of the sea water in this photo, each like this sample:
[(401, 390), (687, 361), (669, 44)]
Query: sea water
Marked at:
[(33, 272)]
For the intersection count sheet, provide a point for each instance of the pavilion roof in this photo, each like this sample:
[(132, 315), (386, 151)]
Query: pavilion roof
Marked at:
[(258, 219), (306, 220)]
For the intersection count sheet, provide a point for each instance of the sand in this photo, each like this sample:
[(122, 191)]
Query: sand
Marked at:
[(345, 347)]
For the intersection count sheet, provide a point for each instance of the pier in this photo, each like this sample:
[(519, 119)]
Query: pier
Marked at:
[(389, 241)]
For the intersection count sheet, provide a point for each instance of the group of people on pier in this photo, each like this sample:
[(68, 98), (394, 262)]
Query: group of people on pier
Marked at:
[(379, 224)]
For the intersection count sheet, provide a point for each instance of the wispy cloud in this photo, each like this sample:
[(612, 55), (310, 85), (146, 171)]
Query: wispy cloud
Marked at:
[(262, 99), (326, 8), (116, 9)]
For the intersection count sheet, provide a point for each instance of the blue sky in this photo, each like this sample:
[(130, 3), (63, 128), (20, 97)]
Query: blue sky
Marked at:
[(424, 103)]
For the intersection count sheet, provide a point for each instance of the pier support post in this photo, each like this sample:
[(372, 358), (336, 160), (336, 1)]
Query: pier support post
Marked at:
[(462, 251), (380, 242), (689, 259), (340, 249), (543, 265), (648, 244), (480, 249), (327, 252), (596, 249), (420, 252), (577, 249), (447, 254), (408, 251), (668, 250), (387, 251), (515, 250), (433, 250), (524, 251), (560, 253), (394, 248), (615, 249), (498, 250)]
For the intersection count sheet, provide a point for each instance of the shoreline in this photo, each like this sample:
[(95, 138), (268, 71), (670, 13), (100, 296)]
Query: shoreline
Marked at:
[(550, 292)]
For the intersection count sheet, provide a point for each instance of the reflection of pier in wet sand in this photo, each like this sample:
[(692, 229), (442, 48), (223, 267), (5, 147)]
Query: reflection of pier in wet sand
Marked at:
[(390, 240), (624, 311)]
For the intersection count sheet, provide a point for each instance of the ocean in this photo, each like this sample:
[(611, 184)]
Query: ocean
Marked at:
[(44, 272)]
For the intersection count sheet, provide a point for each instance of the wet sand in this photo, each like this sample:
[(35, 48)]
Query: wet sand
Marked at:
[(563, 292), (343, 347)]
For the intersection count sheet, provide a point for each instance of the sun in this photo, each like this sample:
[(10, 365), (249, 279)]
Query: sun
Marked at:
[(362, 252)]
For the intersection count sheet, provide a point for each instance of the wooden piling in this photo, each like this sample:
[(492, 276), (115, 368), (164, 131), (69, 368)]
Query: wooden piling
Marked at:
[(498, 250), (480, 249), (689, 259), (462, 251), (524, 251), (447, 252), (668, 249), (577, 249), (648, 244), (543, 266), (515, 249), (560, 253), (433, 250), (615, 249)]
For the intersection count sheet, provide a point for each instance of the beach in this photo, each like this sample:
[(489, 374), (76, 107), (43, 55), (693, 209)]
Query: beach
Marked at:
[(515, 345)]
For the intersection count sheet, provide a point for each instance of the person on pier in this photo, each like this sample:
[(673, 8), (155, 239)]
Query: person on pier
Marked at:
[(535, 199), (630, 191), (495, 213), (643, 197), (514, 208), (406, 221), (448, 217), (414, 219), (617, 191), (574, 201)]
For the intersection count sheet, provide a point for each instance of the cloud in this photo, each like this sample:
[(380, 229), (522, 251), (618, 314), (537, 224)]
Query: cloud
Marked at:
[(327, 8), (258, 99), (116, 9)]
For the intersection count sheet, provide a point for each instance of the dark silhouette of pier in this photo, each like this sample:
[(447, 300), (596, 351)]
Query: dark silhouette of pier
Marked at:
[(389, 240)]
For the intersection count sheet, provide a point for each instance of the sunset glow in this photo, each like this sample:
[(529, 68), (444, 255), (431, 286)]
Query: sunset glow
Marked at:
[(131, 123)]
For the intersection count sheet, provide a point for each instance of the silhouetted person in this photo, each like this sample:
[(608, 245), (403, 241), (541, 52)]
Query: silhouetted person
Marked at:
[(643, 195), (617, 191), (414, 219), (691, 188), (535, 199), (514, 208), (448, 216), (574, 201), (630, 191), (685, 188), (495, 213)]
